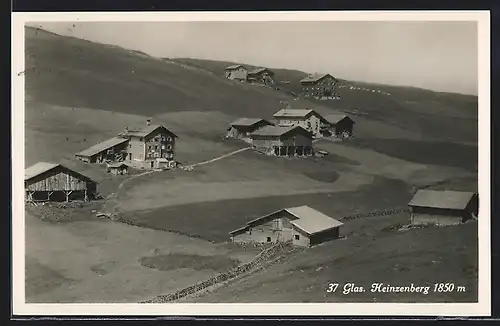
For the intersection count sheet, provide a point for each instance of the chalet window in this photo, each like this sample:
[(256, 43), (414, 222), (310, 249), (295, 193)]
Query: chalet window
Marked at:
[(156, 147), (297, 237), (150, 147), (162, 146), (268, 239), (169, 146), (169, 138)]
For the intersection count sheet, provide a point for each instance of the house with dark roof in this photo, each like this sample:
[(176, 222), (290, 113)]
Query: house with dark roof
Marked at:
[(261, 76), (340, 124), (320, 86), (113, 149), (308, 119), (443, 207), (243, 127), (283, 141), (303, 226), (149, 144), (236, 72), (46, 181)]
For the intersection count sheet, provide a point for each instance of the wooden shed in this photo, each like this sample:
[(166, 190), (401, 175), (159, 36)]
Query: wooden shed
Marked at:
[(118, 168), (443, 207), (55, 182), (243, 127), (113, 149), (283, 141), (303, 226), (340, 125)]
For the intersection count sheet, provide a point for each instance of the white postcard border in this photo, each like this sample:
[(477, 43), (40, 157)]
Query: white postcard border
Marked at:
[(482, 308)]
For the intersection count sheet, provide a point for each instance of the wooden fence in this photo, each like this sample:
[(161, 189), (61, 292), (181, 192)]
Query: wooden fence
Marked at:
[(223, 277)]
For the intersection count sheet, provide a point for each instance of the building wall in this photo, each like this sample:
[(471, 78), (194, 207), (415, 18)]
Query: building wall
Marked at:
[(300, 238), (58, 179), (311, 123), (344, 125), (240, 73), (276, 228), (160, 144), (324, 236), (136, 149), (264, 78), (324, 87), (423, 219)]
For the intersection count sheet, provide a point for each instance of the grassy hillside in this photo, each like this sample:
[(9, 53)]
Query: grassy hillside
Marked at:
[(79, 93)]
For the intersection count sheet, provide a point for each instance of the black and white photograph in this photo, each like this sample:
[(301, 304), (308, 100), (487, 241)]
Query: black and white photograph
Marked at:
[(210, 159)]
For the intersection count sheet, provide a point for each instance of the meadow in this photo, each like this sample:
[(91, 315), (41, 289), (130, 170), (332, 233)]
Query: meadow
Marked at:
[(79, 93)]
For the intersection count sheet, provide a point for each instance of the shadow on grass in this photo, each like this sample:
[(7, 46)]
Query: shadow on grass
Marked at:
[(424, 152), (213, 221), (174, 261)]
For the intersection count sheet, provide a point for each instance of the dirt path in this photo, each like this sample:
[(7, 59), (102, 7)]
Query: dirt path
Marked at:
[(219, 157), (111, 206)]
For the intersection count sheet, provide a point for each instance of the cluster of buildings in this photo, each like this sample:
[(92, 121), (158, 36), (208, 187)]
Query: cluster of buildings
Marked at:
[(316, 86), (292, 132), (260, 76), (150, 147), (304, 226)]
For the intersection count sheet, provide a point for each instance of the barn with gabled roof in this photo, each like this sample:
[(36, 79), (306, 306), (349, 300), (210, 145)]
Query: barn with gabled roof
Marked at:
[(302, 225), (283, 141), (443, 207), (46, 181), (243, 127)]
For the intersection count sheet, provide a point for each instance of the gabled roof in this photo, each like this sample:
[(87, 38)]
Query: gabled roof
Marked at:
[(276, 131), (314, 78), (232, 67), (144, 132), (248, 122), (297, 113), (336, 117), (98, 148), (117, 165), (259, 70), (445, 199), (312, 221), (42, 167), (307, 219)]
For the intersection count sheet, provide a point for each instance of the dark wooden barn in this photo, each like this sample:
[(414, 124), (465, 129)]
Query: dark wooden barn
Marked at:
[(339, 125), (443, 207), (55, 182), (283, 141)]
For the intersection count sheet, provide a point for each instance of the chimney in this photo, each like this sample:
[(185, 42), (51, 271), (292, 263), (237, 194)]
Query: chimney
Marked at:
[(148, 122)]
